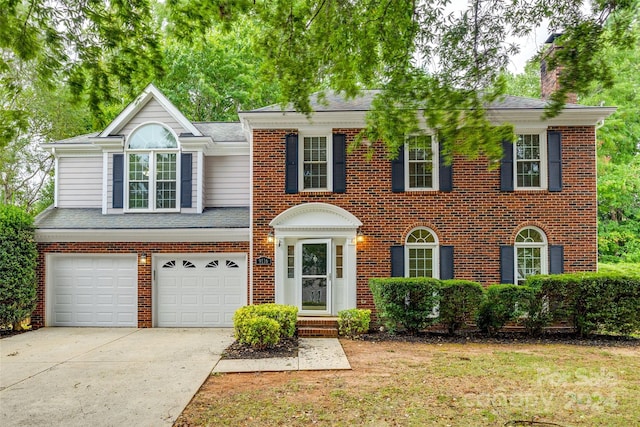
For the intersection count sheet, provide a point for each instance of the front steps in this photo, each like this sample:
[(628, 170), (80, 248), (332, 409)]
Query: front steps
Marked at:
[(317, 327)]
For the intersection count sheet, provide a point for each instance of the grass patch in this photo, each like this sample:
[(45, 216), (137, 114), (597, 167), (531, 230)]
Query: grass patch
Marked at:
[(622, 268), (434, 384)]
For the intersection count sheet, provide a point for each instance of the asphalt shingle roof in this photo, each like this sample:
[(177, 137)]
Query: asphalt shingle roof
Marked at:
[(93, 219), (336, 102)]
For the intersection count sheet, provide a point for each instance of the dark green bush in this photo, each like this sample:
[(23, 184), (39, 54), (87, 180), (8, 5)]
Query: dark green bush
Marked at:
[(353, 321), (407, 303), (504, 303), (459, 303), (593, 302), (18, 258)]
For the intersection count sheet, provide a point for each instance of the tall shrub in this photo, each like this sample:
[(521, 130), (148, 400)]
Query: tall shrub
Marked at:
[(408, 303), (504, 303), (18, 258), (459, 303)]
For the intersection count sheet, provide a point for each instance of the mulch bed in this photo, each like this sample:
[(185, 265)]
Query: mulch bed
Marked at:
[(289, 347), (505, 338), (285, 348)]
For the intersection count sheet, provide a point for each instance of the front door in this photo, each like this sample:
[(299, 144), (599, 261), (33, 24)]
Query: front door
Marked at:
[(314, 284)]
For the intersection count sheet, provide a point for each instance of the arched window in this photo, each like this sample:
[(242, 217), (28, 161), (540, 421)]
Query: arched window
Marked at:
[(531, 253), (152, 169), (421, 254)]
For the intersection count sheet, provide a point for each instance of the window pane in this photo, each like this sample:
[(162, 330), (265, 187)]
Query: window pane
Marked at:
[(290, 261), (138, 195), (138, 181), (529, 263), (420, 162), (339, 261), (421, 235), (152, 136), (528, 161), (166, 166), (420, 262), (315, 162), (165, 195), (166, 183)]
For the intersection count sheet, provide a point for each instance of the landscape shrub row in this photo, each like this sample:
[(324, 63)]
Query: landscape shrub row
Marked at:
[(264, 325), (588, 302)]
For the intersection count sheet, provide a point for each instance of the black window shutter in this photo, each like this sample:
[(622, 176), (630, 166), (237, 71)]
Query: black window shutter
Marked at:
[(397, 261), (506, 167), (397, 172), (291, 179), (118, 181), (185, 180), (506, 265), (554, 155), (339, 163), (556, 259), (445, 173), (446, 262)]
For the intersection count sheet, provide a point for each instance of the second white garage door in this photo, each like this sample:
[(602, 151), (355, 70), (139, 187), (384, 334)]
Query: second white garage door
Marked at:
[(199, 290)]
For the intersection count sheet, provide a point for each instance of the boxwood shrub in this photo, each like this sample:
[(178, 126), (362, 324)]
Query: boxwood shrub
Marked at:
[(284, 316), (353, 321), (504, 303), (406, 303), (460, 301), (593, 302)]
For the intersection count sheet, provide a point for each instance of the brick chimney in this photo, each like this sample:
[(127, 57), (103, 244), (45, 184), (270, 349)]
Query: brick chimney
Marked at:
[(550, 79)]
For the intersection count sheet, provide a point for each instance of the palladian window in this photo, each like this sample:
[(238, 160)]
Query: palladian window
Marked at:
[(152, 169)]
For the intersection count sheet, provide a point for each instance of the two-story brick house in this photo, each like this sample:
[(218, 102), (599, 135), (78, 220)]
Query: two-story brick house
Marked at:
[(162, 222)]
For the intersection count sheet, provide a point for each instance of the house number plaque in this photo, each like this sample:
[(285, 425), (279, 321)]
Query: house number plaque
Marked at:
[(263, 260)]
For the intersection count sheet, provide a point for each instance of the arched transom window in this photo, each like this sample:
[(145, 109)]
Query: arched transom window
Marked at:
[(531, 253), (152, 169), (421, 254)]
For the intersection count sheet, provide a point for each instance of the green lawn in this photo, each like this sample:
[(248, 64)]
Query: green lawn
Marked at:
[(619, 268)]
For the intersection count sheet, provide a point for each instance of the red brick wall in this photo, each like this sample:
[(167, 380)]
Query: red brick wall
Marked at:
[(144, 271), (476, 217)]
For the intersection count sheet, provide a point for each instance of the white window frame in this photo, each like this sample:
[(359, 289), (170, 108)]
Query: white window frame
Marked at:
[(435, 261), (435, 165), (544, 252), (151, 207), (542, 137), (328, 135)]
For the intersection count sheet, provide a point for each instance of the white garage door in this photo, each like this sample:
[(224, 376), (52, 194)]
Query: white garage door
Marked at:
[(93, 290), (199, 290)]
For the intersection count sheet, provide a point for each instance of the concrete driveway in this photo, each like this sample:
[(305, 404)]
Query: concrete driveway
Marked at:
[(104, 377)]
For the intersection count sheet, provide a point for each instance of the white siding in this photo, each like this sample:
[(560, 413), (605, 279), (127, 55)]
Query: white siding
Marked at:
[(226, 181), (152, 112), (80, 182)]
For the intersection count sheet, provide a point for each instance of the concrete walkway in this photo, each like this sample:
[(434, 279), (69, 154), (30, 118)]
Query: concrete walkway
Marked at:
[(314, 354), (114, 377), (104, 377)]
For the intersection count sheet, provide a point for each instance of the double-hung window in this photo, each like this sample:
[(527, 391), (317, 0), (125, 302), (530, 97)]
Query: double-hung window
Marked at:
[(152, 169), (315, 161), (530, 161), (421, 168)]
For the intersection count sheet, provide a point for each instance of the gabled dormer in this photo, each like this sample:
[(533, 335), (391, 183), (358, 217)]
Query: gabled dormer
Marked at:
[(152, 159)]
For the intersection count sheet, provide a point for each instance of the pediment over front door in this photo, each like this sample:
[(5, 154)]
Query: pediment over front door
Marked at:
[(315, 216)]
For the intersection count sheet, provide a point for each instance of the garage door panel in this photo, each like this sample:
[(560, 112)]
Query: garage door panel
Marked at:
[(93, 290), (200, 289)]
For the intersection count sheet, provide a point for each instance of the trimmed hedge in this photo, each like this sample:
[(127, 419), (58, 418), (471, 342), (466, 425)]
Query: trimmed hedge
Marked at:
[(460, 301), (353, 321), (593, 302), (18, 258), (259, 333), (408, 303)]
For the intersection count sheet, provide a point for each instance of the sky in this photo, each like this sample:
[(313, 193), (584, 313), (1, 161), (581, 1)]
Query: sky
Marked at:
[(529, 45)]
